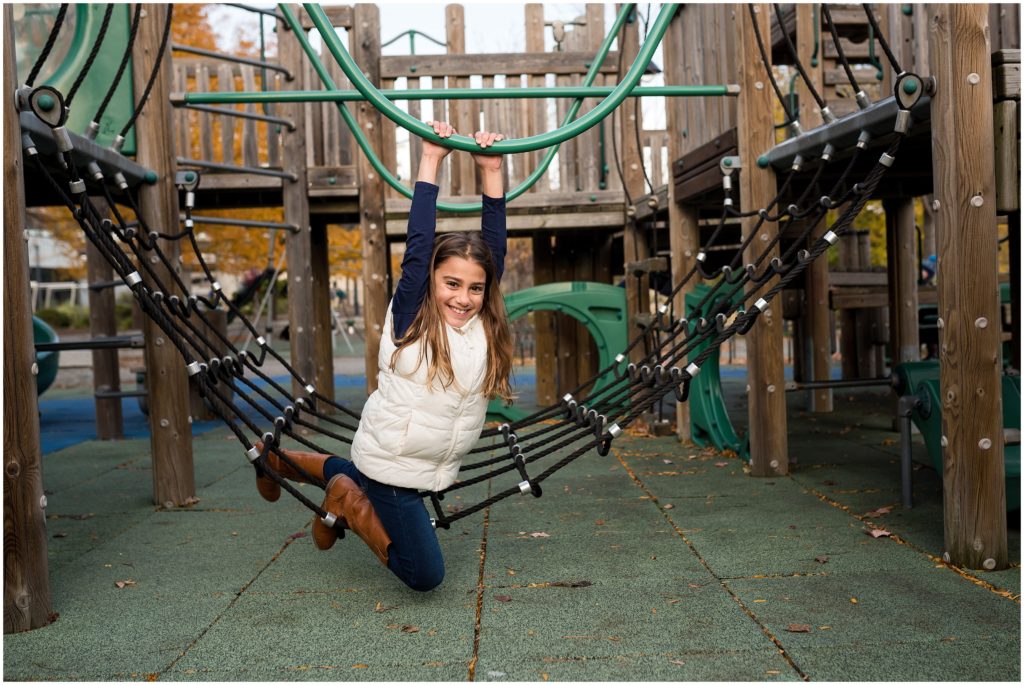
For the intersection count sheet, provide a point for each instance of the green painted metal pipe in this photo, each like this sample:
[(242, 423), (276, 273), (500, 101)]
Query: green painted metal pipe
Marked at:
[(467, 144), (292, 96), (386, 173)]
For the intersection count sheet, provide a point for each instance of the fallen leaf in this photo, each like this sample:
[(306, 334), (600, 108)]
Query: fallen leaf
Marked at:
[(599, 522), (669, 506), (881, 511), (510, 571), (798, 628), (773, 672), (720, 464), (296, 536), (879, 533), (677, 662), (853, 600), (128, 582), (821, 559), (539, 535), (667, 461), (381, 608), (503, 598), (359, 666), (888, 442), (760, 601), (410, 629)]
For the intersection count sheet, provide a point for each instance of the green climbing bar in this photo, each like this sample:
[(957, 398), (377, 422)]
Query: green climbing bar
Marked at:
[(291, 96)]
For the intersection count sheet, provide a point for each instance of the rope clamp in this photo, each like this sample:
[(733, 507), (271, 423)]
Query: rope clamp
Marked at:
[(619, 358), (795, 129), (133, 279), (862, 99), (261, 341), (119, 179), (827, 153), (441, 521), (886, 159), (77, 187), (831, 237), (94, 171), (193, 368), (310, 389), (606, 439), (692, 369), (93, 130), (761, 304), (863, 139), (798, 162), (63, 139), (118, 143), (827, 116), (701, 256), (28, 145), (252, 454)]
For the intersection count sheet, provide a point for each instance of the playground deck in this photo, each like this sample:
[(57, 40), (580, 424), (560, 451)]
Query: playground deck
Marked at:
[(656, 562)]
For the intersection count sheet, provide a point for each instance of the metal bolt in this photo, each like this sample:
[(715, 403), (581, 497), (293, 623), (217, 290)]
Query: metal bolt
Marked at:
[(153, 259), (935, 205), (759, 85), (945, 557), (771, 388), (985, 443), (989, 564), (981, 322), (159, 341), (973, 78), (977, 200), (774, 463), (944, 441), (35, 369), (373, 226), (42, 502), (164, 423), (939, 323), (978, 546), (764, 237)]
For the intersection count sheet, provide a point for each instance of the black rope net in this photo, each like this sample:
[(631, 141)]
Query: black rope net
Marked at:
[(259, 409)]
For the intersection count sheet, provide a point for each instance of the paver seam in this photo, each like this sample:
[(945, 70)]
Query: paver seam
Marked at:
[(1002, 592), (724, 584), (238, 595), (480, 587)]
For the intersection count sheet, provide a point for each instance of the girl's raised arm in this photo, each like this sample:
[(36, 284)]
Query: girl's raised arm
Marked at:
[(492, 220)]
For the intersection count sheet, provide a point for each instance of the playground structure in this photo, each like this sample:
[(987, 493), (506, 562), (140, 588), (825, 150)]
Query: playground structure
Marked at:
[(318, 174)]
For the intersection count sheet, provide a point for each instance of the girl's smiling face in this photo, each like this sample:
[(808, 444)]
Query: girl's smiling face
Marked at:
[(459, 287)]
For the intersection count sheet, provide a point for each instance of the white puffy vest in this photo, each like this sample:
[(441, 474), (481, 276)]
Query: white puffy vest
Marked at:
[(413, 436)]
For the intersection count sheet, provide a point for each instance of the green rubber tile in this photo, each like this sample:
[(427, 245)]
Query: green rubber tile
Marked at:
[(673, 666), (108, 634), (89, 460), (117, 490), (427, 671), (612, 618), (70, 538), (932, 603), (894, 659), (304, 632)]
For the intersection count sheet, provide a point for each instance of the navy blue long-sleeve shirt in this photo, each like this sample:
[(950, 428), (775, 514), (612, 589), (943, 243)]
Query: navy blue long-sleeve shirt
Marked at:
[(419, 244)]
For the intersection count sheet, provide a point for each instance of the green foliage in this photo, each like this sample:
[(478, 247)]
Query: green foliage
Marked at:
[(65, 316)]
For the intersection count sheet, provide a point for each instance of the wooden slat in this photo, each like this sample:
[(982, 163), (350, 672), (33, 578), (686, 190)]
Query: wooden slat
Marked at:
[(340, 16), (181, 115), (537, 118), (226, 83), (1007, 159), (462, 114), (415, 142), (974, 486), (250, 149), (103, 323), (27, 602), (463, 65), (389, 134)]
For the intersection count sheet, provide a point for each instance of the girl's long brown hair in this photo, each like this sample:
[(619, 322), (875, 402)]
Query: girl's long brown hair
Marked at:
[(429, 325)]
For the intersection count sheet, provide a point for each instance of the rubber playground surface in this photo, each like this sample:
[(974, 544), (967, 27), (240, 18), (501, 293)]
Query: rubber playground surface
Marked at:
[(656, 562)]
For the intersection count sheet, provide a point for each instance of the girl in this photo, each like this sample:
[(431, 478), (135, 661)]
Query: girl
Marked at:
[(447, 349)]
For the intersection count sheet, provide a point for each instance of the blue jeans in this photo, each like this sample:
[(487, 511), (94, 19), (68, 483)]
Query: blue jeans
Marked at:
[(414, 555)]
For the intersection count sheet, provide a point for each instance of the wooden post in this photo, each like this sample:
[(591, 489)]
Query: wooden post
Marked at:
[(963, 167), (365, 38), (27, 602), (543, 264), (323, 347), (166, 379), (303, 327), (905, 342), (817, 332), (462, 114), (634, 241), (106, 376), (544, 324), (766, 394), (683, 229)]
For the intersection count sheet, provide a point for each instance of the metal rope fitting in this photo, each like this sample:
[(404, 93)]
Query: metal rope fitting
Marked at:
[(193, 368), (261, 341), (62, 138), (692, 369), (93, 169), (863, 139), (120, 181), (93, 130), (862, 99), (827, 153), (795, 129), (827, 115), (133, 279), (798, 162), (190, 199), (77, 187), (727, 182), (329, 519), (118, 143), (761, 304), (619, 358), (831, 237), (28, 145), (252, 454), (902, 121), (886, 159), (310, 389), (701, 256)]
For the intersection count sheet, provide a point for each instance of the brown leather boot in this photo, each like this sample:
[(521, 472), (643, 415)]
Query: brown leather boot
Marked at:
[(310, 462), (349, 504)]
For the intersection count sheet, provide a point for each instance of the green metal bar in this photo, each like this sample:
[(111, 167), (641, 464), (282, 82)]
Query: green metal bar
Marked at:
[(386, 173), (467, 144), (292, 96)]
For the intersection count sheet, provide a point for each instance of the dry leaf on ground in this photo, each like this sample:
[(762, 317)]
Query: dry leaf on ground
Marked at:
[(821, 559), (410, 629), (128, 582), (879, 533), (798, 628), (381, 608), (503, 598), (539, 535)]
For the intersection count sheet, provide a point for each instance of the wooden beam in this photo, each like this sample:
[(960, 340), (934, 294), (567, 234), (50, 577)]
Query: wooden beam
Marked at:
[(166, 379), (303, 326), (974, 489), (462, 114), (766, 396), (904, 270), (816, 344), (323, 347), (366, 51), (27, 603), (683, 227), (106, 375), (634, 240)]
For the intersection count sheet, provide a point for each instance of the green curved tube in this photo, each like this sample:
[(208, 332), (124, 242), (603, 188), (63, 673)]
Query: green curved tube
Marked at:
[(386, 173), (467, 144)]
